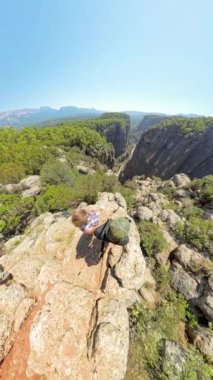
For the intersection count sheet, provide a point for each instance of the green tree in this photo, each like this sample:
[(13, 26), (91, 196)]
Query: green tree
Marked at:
[(11, 173), (55, 172)]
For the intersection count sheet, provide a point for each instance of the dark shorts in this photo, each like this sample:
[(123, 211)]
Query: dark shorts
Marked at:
[(100, 233)]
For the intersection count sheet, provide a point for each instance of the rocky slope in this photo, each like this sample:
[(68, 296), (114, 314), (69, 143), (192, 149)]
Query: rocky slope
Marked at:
[(183, 266), (63, 311), (165, 150)]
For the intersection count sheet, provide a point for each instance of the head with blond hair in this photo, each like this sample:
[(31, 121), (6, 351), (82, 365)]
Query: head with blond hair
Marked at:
[(80, 217)]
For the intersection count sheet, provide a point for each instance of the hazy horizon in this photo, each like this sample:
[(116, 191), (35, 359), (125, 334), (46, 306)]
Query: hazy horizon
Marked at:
[(150, 56), (103, 110)]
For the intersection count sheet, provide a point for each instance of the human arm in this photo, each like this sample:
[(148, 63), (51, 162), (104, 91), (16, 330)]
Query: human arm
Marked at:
[(90, 230)]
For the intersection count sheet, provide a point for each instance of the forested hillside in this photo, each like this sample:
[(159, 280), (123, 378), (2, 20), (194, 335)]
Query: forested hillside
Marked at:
[(24, 151), (115, 126)]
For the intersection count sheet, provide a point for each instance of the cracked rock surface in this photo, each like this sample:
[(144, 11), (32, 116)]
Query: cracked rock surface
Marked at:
[(63, 312)]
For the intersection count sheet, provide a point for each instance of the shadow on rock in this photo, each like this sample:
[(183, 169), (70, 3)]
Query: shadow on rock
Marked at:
[(90, 254)]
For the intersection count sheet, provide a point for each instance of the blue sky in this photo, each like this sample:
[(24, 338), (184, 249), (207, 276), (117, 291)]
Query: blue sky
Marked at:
[(148, 55)]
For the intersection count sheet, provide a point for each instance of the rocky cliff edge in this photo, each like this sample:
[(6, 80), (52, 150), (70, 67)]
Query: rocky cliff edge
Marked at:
[(63, 310)]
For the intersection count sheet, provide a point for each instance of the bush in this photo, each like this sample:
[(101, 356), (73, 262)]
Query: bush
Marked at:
[(14, 213), (168, 191), (129, 196), (11, 173), (205, 186), (196, 368), (197, 232), (193, 211), (152, 239), (55, 198), (149, 328), (86, 188), (57, 173), (163, 279)]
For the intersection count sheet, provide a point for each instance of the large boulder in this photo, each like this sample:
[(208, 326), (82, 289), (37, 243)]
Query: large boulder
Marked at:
[(144, 213), (170, 217), (181, 180), (30, 186), (184, 283), (11, 188)]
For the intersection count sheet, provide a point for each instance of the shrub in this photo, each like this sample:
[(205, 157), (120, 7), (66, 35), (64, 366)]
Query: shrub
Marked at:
[(14, 213), (88, 186), (193, 211), (149, 328), (168, 191), (152, 239), (205, 185), (163, 279), (56, 173), (196, 368), (110, 183), (85, 188), (11, 173), (129, 196), (197, 232), (55, 198)]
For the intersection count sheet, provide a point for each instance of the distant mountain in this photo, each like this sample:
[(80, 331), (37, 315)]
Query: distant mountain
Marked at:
[(28, 116)]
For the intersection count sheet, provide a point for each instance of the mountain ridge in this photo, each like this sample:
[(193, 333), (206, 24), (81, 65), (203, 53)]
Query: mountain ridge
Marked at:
[(26, 116)]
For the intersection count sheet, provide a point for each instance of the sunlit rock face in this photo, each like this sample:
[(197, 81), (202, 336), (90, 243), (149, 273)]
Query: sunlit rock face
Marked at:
[(163, 152), (63, 310)]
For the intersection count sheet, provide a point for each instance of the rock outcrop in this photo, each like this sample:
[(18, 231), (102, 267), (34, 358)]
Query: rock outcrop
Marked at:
[(192, 276), (29, 186), (166, 151), (63, 310)]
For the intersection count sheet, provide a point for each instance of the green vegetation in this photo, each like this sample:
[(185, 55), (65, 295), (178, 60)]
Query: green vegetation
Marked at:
[(55, 172), (149, 329), (116, 116), (152, 239), (75, 156), (196, 368), (205, 187), (11, 173), (197, 232), (54, 198), (32, 147), (168, 191), (191, 212), (187, 125), (83, 188), (163, 279), (14, 212)]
